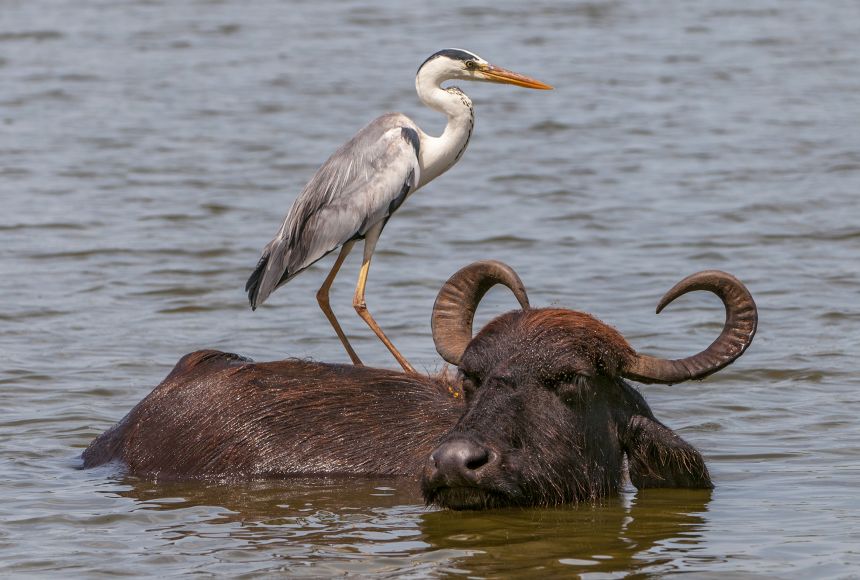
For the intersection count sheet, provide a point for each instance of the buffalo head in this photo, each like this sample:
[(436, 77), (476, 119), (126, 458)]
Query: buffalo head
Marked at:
[(549, 418)]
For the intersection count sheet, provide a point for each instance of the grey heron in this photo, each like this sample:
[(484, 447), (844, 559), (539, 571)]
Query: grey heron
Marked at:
[(352, 196)]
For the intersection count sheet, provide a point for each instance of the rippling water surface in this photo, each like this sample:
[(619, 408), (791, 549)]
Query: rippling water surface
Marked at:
[(148, 150)]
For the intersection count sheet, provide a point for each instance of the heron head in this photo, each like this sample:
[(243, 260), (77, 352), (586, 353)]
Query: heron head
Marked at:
[(456, 63)]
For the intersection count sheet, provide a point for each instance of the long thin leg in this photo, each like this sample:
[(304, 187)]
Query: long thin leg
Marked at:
[(361, 307), (322, 298)]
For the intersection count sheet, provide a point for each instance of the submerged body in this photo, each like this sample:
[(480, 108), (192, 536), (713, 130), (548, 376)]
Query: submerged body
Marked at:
[(218, 415), (538, 414), (355, 192)]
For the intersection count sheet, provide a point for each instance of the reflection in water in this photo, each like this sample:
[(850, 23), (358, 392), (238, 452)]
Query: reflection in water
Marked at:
[(627, 533), (324, 526), (314, 527), (266, 499), (141, 166)]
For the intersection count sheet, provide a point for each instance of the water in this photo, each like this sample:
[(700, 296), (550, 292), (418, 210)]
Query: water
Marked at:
[(148, 150)]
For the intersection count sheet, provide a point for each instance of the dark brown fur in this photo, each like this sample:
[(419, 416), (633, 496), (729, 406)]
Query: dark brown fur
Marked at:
[(217, 415), (538, 390)]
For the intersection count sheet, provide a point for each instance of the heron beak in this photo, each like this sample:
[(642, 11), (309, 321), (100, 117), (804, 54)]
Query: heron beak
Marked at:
[(496, 74)]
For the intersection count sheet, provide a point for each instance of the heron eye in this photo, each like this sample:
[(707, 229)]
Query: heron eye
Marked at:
[(471, 65)]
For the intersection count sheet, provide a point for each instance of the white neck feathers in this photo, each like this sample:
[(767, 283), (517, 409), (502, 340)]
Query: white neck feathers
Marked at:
[(438, 154)]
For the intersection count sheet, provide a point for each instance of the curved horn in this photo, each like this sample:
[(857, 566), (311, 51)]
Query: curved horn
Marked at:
[(737, 334), (458, 299)]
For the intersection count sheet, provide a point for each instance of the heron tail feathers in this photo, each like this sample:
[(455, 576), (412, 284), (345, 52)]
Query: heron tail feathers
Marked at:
[(278, 265), (252, 286), (271, 272)]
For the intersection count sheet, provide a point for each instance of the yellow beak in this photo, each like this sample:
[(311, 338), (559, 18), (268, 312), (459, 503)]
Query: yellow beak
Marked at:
[(497, 74)]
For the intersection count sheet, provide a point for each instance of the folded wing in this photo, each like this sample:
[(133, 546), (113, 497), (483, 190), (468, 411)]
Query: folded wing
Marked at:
[(359, 186)]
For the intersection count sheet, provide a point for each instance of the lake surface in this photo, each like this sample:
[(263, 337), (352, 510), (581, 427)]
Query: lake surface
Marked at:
[(148, 151)]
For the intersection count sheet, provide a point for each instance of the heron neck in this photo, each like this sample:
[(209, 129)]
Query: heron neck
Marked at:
[(438, 154)]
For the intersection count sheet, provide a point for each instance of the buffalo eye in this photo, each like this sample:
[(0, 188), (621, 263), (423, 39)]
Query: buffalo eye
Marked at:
[(572, 388), (560, 379)]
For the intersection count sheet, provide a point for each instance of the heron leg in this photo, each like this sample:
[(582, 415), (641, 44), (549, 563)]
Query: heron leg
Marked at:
[(322, 298), (361, 307)]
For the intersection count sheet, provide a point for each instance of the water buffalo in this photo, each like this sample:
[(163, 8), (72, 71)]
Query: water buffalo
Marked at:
[(538, 412)]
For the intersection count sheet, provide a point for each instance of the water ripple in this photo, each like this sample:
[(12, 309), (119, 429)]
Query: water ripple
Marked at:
[(146, 162)]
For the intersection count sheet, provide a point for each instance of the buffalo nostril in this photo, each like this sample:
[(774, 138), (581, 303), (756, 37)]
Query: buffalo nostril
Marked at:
[(478, 459), (459, 460)]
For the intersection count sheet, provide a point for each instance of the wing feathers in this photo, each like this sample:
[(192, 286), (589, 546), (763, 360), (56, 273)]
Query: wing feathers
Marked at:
[(363, 183)]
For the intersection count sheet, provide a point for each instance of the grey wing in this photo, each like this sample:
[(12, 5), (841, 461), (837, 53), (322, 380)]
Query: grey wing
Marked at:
[(363, 183)]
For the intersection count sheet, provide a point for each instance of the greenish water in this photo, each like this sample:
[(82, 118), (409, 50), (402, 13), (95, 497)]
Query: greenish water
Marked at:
[(148, 150)]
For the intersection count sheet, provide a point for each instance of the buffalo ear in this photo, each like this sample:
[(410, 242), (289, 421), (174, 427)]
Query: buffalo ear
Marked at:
[(658, 457)]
